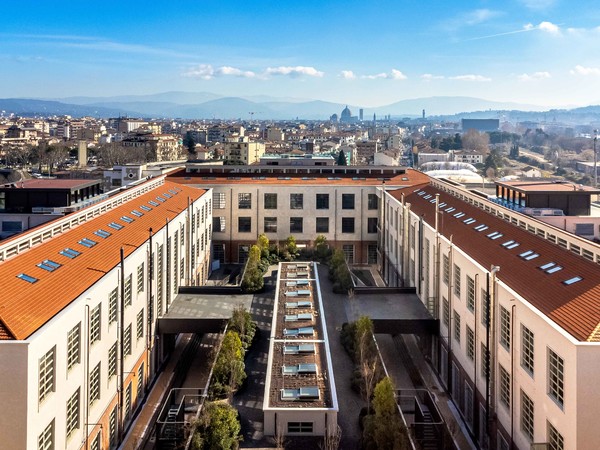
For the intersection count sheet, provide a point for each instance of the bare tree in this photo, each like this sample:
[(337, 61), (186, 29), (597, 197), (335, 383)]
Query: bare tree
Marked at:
[(366, 356), (332, 439), (474, 140), (279, 437)]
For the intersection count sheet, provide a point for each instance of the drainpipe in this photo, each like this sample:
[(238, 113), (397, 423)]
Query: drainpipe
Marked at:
[(476, 344), (450, 314), (489, 382), (512, 372), (120, 347), (150, 307)]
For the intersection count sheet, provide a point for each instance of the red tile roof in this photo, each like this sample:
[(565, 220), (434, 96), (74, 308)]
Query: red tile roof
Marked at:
[(25, 307), (411, 177), (575, 308)]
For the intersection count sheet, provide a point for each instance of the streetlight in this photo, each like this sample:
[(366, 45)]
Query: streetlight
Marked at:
[(595, 160)]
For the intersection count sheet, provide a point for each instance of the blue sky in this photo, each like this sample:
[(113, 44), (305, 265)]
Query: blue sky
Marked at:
[(369, 52)]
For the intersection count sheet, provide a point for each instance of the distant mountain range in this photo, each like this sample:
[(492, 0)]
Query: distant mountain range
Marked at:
[(206, 105)]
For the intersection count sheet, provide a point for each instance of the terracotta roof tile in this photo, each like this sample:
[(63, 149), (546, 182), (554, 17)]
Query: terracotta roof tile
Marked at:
[(25, 307), (574, 307)]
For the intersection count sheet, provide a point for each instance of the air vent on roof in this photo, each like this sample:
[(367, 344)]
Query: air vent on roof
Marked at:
[(127, 219), (70, 253), (27, 278), (572, 280), (87, 242), (115, 226), (103, 234)]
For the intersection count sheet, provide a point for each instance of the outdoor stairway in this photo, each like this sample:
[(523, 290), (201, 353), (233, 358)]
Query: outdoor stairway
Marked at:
[(429, 439)]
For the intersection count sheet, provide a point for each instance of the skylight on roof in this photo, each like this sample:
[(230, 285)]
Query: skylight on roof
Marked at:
[(167, 195), (421, 193), (103, 234), (572, 280), (530, 255), (27, 278), (495, 235), (87, 242), (49, 265), (458, 216), (450, 209), (427, 197), (442, 204), (547, 265), (481, 227), (469, 221), (127, 219), (145, 208), (70, 253), (115, 226), (510, 244), (160, 199), (433, 200), (137, 213), (554, 269), (153, 203)]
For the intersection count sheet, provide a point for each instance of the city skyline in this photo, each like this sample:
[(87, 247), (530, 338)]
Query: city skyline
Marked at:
[(540, 52)]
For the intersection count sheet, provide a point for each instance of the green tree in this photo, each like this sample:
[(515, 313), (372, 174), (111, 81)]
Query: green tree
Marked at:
[(263, 245), (189, 143), (241, 322), (229, 368), (341, 159), (253, 276), (223, 431), (384, 430)]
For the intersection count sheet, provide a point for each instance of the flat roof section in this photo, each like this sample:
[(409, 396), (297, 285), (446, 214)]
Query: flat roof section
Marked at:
[(201, 313), (548, 186)]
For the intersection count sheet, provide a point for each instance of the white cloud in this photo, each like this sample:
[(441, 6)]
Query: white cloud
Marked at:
[(202, 71), (549, 27), (585, 71), (534, 76), (470, 77), (429, 77), (347, 75), (294, 72), (479, 15), (538, 4), (234, 71), (393, 75)]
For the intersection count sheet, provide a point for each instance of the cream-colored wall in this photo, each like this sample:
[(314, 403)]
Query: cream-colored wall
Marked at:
[(13, 392), (588, 397), (321, 419)]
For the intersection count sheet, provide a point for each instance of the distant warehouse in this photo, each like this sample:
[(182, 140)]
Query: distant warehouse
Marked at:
[(481, 124)]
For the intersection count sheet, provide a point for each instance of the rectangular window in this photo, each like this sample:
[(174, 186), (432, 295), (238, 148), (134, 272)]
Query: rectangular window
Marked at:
[(219, 200), (347, 224), (74, 346), (128, 297), (127, 340), (95, 324), (94, 385), (470, 343), (295, 224), (485, 314), (112, 360), (372, 225), (527, 416), (485, 357), (300, 427), (470, 294), (555, 439), (113, 298), (270, 201), (112, 429), (348, 250), (446, 268), (219, 252), (46, 374), (322, 225), (504, 387), (322, 201), (456, 280), (243, 251), (347, 201), (73, 413), (244, 224), (270, 225), (46, 439), (139, 329), (445, 312), (556, 383), (296, 201), (505, 328), (140, 278), (219, 224), (457, 327), (372, 201), (527, 349), (244, 201), (372, 254)]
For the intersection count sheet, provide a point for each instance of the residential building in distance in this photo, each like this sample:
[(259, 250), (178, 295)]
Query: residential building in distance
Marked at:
[(243, 152), (480, 124)]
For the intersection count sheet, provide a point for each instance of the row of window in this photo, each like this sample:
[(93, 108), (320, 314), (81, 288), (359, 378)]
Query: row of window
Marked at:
[(296, 224), (296, 201)]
